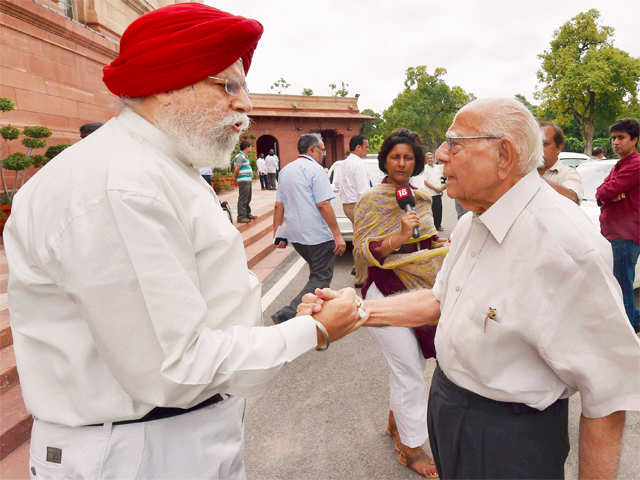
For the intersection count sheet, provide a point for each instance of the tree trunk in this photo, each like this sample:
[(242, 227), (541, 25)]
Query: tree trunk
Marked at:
[(588, 137)]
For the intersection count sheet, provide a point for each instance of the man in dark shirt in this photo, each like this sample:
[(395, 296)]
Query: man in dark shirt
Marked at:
[(619, 200)]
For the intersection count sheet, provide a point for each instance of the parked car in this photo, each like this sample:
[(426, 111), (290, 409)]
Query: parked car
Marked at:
[(593, 174), (573, 159)]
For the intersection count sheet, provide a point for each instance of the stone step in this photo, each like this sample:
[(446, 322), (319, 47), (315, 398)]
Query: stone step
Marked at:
[(15, 421), (8, 371), (257, 230), (15, 466), (259, 250), (5, 329)]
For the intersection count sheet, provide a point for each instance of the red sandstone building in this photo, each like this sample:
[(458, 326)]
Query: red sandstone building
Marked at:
[(51, 68)]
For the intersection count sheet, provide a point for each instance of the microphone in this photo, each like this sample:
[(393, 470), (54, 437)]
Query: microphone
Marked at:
[(406, 201)]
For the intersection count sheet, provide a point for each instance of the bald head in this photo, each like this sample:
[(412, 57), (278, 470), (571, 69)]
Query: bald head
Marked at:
[(510, 119)]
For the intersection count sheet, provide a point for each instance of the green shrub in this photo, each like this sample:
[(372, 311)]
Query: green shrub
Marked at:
[(573, 144), (33, 142), (6, 105), (37, 131), (39, 160), (17, 161), (54, 150), (9, 132), (605, 144)]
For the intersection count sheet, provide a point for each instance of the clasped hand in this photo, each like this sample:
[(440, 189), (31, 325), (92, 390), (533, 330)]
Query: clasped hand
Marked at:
[(337, 310)]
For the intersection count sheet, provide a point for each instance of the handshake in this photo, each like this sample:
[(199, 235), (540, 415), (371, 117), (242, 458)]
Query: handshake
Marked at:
[(339, 311)]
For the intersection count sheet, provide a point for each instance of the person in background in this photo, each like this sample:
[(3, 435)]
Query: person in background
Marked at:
[(303, 204), (243, 176), (382, 240), (262, 172), (563, 179), (352, 182), (206, 173), (598, 153), (434, 182), (619, 200), (272, 162), (137, 325), (89, 128)]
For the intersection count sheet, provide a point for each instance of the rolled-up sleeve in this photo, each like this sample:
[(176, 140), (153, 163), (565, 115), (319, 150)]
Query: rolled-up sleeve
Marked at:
[(588, 342), (129, 264)]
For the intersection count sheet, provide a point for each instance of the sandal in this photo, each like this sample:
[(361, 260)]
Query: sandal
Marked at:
[(417, 460)]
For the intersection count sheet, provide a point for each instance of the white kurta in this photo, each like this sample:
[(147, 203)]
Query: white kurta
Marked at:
[(129, 287), (560, 325)]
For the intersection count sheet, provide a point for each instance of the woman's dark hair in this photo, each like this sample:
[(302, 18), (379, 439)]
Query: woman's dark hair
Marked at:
[(402, 136)]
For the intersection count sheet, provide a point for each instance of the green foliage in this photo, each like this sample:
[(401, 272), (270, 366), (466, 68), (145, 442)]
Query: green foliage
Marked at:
[(532, 108), (375, 142), (339, 92), (6, 105), (605, 144), (427, 105), (9, 132), (585, 78), (54, 150), (307, 91), (39, 160), (573, 144), (280, 85), (222, 172), (33, 142), (17, 161), (372, 127), (36, 131)]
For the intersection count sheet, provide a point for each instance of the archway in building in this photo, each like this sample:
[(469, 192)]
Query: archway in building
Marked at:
[(265, 143)]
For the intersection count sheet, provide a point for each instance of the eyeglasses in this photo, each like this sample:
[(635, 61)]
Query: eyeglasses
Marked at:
[(232, 87), (451, 141)]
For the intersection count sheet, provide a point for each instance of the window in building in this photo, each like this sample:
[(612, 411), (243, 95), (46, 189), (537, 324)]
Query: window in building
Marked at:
[(67, 7)]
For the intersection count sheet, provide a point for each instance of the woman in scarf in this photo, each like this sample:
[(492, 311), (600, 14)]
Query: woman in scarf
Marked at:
[(397, 262)]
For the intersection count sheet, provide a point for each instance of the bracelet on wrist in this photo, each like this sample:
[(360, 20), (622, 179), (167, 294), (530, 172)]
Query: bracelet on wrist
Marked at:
[(325, 334)]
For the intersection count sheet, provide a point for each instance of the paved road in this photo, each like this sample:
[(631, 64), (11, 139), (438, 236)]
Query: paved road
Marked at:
[(325, 414)]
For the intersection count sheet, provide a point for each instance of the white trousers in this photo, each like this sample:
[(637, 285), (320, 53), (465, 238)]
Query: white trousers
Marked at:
[(407, 389), (206, 443)]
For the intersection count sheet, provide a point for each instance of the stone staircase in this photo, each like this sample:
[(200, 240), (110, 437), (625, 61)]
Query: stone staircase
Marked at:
[(15, 421)]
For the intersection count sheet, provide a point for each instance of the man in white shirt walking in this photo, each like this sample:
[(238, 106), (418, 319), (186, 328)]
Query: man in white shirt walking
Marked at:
[(271, 162), (262, 171), (563, 179), (136, 323), (434, 181), (352, 182)]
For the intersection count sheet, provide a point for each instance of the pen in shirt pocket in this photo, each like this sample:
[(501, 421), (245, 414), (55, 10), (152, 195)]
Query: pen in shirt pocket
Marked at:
[(491, 314)]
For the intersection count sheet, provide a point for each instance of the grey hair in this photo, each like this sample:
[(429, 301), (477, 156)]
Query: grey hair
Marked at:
[(308, 140), (511, 119)]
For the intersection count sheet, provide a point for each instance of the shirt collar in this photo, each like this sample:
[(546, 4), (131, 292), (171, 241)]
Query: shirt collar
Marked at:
[(501, 215), (304, 155), (555, 167)]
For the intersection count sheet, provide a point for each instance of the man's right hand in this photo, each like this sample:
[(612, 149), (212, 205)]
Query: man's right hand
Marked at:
[(341, 245), (340, 315)]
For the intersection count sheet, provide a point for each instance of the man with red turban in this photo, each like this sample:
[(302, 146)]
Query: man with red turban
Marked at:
[(135, 318)]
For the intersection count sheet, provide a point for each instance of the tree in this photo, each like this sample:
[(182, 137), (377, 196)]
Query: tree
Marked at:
[(427, 105), (532, 108), (339, 92), (280, 85), (585, 78), (307, 92)]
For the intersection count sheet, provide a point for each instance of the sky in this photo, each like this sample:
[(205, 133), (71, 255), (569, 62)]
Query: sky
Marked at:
[(488, 47)]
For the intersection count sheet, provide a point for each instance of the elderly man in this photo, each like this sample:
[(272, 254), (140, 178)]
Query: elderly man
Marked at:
[(136, 322), (529, 313), (563, 179), (303, 204)]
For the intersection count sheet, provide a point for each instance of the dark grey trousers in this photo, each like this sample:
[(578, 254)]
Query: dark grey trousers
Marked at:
[(271, 180), (244, 198), (474, 437), (320, 258)]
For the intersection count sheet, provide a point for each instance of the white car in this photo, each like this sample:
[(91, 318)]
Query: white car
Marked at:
[(572, 159), (593, 174)]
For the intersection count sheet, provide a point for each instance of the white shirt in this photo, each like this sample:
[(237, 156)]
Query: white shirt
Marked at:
[(560, 324), (262, 166), (353, 180), (565, 176), (271, 162), (205, 170), (434, 176), (129, 287)]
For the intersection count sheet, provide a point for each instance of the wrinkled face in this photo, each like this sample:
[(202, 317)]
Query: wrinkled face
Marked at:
[(550, 149), (318, 152), (470, 165), (362, 150), (205, 121), (400, 163), (622, 143)]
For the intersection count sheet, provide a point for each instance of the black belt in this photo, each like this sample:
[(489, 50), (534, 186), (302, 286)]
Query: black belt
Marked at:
[(166, 412)]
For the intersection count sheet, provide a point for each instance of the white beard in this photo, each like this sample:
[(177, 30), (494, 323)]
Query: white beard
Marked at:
[(201, 138)]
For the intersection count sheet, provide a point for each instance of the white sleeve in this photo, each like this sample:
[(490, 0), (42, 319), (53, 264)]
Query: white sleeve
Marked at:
[(130, 265), (363, 182)]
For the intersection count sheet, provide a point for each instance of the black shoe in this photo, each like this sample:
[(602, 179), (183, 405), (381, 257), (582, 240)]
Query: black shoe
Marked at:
[(244, 220), (252, 217), (276, 319), (358, 285)]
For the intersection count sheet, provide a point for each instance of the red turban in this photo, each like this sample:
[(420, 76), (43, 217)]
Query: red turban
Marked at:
[(179, 45)]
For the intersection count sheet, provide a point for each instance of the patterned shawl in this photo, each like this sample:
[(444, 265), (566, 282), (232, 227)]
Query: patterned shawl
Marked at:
[(377, 216)]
